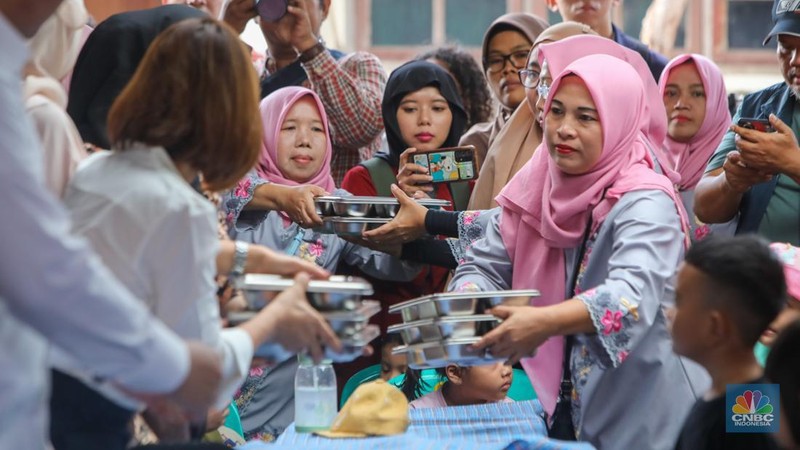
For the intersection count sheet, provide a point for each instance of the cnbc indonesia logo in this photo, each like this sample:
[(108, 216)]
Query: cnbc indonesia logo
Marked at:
[(753, 408)]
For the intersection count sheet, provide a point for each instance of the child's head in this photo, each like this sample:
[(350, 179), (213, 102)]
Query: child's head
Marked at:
[(728, 291), (296, 148), (789, 255), (783, 368), (421, 109), (392, 365), (478, 384)]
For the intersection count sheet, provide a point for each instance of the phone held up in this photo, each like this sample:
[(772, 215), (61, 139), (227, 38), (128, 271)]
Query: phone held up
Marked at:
[(272, 10), (761, 125), (447, 165)]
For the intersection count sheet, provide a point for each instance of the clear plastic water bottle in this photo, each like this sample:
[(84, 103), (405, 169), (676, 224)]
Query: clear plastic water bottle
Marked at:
[(315, 404)]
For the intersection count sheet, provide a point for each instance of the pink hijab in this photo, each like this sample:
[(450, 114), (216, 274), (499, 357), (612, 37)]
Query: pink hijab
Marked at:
[(545, 211), (690, 158), (274, 109), (560, 54)]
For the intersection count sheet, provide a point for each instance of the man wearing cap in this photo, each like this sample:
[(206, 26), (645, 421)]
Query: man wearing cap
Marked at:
[(753, 176)]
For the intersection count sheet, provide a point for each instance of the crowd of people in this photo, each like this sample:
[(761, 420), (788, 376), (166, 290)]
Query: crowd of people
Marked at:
[(149, 161)]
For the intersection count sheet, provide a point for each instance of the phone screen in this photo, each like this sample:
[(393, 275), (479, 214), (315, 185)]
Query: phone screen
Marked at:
[(450, 165)]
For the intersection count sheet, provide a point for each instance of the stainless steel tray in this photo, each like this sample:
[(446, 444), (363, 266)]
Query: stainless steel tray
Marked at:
[(354, 226), (348, 323), (452, 327), (460, 303), (353, 346), (451, 351), (365, 206), (334, 294)]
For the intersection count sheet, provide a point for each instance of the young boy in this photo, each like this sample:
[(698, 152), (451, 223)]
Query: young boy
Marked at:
[(597, 14), (728, 292), (469, 386)]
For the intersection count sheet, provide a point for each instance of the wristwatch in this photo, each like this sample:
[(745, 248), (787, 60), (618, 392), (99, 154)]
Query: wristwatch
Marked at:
[(239, 260), (312, 52)]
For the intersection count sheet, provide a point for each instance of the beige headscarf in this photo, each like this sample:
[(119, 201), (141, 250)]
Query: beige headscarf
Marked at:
[(516, 141), (482, 134), (54, 50)]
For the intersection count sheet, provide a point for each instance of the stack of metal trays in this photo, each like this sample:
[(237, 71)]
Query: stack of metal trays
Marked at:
[(440, 329), (339, 299), (351, 216)]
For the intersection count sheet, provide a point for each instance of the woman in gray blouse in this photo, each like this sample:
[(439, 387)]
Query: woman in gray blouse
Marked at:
[(590, 224)]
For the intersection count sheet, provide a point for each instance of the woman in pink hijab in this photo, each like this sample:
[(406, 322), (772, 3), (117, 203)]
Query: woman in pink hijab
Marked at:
[(694, 95), (554, 57), (592, 226), (295, 150)]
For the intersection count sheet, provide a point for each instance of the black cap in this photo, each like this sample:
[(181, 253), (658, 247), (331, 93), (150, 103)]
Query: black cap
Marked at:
[(786, 17)]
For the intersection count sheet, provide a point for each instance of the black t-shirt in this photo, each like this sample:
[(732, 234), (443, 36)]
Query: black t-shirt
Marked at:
[(704, 429)]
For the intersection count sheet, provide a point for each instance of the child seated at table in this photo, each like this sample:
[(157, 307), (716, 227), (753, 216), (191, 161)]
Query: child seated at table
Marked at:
[(728, 292), (790, 257), (392, 365), (465, 386)]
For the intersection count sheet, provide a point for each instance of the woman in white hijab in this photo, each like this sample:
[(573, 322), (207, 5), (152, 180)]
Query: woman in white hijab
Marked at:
[(54, 50)]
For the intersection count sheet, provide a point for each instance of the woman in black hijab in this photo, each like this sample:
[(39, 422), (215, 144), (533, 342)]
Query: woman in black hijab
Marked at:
[(108, 61)]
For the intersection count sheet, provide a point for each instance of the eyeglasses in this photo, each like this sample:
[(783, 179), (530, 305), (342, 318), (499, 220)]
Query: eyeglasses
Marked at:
[(496, 63), (543, 90), (529, 78)]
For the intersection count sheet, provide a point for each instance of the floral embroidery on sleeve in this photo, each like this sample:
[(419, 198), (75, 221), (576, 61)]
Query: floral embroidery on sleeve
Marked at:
[(236, 199), (470, 229), (312, 251), (468, 287), (613, 318)]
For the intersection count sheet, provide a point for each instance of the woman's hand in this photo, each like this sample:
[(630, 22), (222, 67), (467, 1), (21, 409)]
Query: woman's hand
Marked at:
[(408, 224), (298, 203), (413, 177), (216, 418), (523, 330)]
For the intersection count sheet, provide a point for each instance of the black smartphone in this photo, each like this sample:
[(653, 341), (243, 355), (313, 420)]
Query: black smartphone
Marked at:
[(271, 10), (447, 165), (761, 125)]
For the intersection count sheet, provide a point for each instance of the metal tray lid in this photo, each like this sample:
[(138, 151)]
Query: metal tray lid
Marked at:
[(446, 319), (433, 202), (363, 199), (366, 310), (327, 198), (444, 297), (375, 220), (363, 337), (336, 284), (423, 345)]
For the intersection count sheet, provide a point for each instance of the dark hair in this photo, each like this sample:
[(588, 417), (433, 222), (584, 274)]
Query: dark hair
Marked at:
[(747, 278), (471, 81), (413, 385), (195, 93), (391, 338), (783, 368)]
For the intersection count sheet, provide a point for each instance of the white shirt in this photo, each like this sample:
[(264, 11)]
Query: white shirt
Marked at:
[(159, 237), (52, 287)]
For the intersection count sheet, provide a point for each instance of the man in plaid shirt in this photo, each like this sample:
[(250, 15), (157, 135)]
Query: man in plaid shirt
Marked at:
[(350, 86)]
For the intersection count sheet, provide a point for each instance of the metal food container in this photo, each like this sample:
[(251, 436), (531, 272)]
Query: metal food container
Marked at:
[(338, 293), (353, 346), (430, 355), (324, 205), (354, 226), (348, 323), (353, 206), (387, 207), (326, 227), (460, 303), (452, 327)]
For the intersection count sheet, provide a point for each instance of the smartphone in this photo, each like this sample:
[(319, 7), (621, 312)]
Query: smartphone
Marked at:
[(447, 165), (761, 125), (272, 10)]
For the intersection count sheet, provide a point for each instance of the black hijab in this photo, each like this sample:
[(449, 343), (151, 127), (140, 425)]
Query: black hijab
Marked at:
[(410, 77), (108, 61)]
